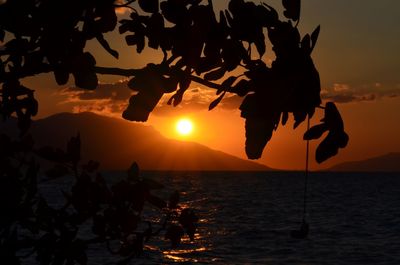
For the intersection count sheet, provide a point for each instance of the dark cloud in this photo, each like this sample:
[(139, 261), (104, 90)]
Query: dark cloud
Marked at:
[(344, 93), (115, 91), (197, 100), (110, 99)]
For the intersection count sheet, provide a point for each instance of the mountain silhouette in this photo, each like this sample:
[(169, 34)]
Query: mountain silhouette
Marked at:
[(385, 163), (116, 143)]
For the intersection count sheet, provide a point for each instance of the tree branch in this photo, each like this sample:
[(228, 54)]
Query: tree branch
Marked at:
[(133, 72), (116, 71)]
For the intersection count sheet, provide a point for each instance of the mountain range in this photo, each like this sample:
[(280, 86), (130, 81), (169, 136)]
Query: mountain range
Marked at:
[(385, 163), (116, 143)]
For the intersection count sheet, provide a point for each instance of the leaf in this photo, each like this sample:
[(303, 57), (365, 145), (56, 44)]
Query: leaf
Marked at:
[(332, 117), (306, 43), (170, 84), (260, 45), (314, 37), (315, 132), (285, 117), (229, 18), (61, 77), (292, 9), (227, 84), (299, 117), (215, 75), (83, 71), (267, 15), (216, 102), (184, 83), (329, 147), (258, 133), (342, 139), (100, 38), (141, 104), (241, 88), (149, 6), (131, 39), (176, 99), (326, 149)]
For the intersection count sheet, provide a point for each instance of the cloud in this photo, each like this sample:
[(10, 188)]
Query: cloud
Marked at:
[(340, 87), (115, 91), (106, 99), (197, 99), (344, 93), (112, 99)]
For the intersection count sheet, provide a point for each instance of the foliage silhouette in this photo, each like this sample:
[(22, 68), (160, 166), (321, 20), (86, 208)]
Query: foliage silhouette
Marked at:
[(41, 39), (225, 53), (29, 225)]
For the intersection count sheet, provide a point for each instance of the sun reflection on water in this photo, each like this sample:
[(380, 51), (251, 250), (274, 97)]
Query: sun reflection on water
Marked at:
[(176, 254)]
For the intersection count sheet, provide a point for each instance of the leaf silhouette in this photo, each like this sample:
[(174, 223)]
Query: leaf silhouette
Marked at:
[(149, 6), (141, 104), (285, 117), (292, 9), (229, 81), (306, 44), (315, 132), (332, 117), (314, 37), (216, 102), (106, 46), (61, 76), (216, 74), (326, 149), (336, 137), (83, 71)]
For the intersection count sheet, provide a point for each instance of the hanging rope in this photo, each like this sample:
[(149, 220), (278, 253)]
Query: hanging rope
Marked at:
[(302, 233), (306, 173)]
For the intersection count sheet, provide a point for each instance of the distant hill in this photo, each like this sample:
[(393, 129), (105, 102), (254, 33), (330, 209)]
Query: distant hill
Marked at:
[(386, 163), (116, 143)]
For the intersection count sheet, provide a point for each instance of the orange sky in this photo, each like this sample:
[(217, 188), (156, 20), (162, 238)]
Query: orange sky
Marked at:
[(359, 62)]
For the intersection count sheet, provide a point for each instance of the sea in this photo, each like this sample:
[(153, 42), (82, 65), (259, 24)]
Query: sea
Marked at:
[(246, 218)]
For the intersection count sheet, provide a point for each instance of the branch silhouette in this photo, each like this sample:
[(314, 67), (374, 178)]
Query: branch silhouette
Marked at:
[(37, 41), (222, 50)]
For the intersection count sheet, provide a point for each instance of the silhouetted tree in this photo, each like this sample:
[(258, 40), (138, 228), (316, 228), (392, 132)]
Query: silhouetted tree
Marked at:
[(198, 46), (223, 52), (31, 228)]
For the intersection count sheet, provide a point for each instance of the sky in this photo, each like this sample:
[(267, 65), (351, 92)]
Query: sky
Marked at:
[(358, 59)]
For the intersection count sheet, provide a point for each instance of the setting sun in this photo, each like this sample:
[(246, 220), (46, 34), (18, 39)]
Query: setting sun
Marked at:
[(184, 126)]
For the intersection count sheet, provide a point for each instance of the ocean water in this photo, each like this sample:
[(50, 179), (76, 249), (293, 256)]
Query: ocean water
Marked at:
[(246, 218)]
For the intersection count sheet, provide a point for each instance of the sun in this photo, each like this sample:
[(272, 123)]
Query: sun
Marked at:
[(184, 127)]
